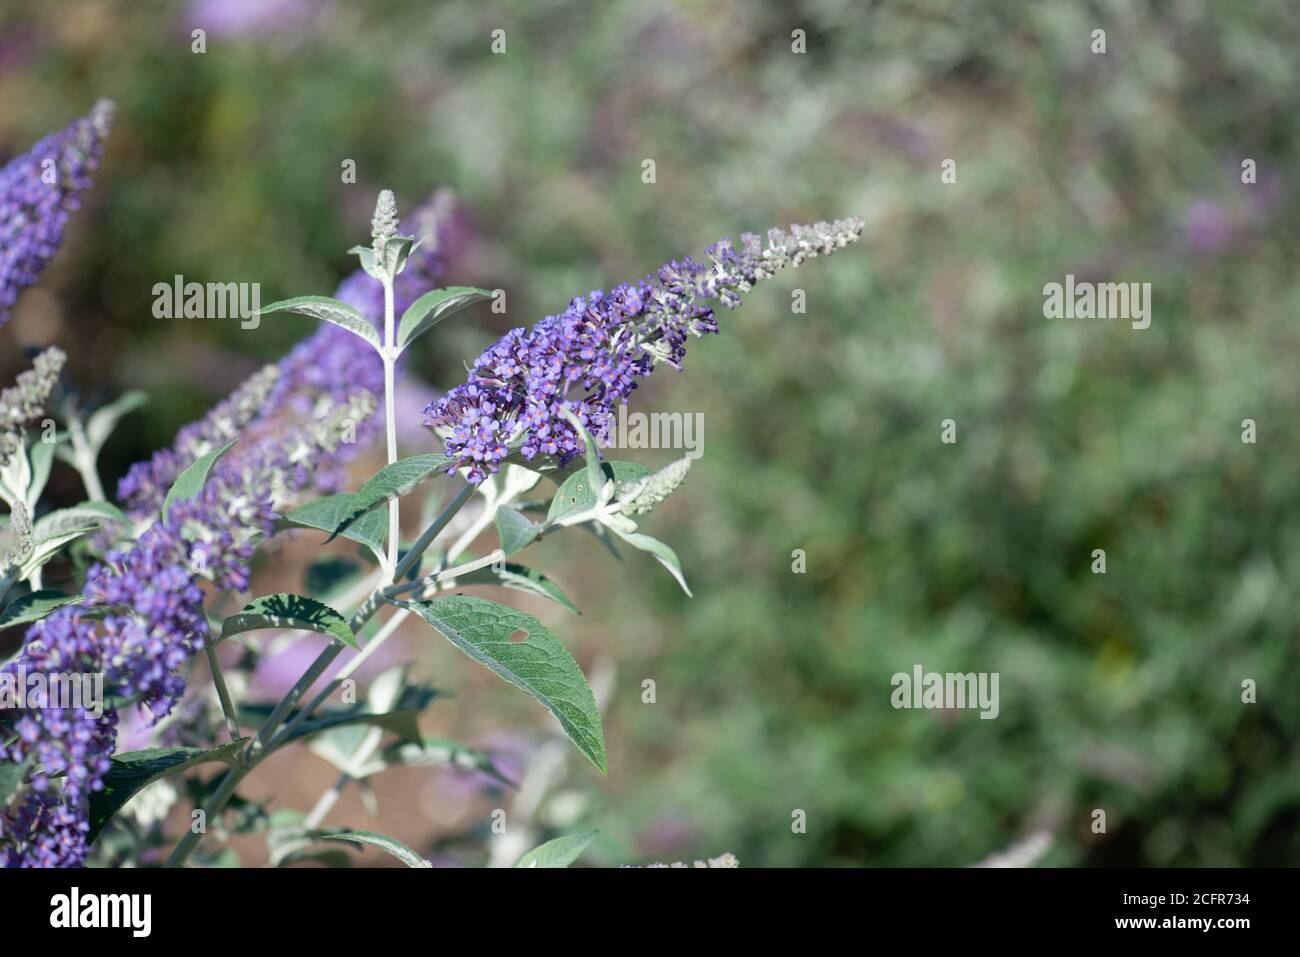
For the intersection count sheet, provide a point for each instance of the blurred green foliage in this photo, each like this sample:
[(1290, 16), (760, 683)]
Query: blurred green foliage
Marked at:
[(1119, 691)]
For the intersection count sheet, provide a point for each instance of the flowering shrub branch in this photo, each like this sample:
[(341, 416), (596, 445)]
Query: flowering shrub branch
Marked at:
[(538, 404)]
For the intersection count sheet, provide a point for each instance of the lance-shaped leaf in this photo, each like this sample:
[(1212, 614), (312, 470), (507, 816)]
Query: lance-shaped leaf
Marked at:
[(330, 310), (576, 495), (433, 752), (560, 852), (289, 611), (128, 773), (538, 664), (392, 481), (103, 420), (34, 606), (662, 553), (190, 482), (329, 513), (515, 530), (513, 575), (389, 845), (431, 308)]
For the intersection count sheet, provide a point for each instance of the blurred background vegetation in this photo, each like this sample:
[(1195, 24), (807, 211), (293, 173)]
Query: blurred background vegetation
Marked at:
[(1119, 691)]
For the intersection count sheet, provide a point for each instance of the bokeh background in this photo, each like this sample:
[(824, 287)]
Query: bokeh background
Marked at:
[(1119, 691)]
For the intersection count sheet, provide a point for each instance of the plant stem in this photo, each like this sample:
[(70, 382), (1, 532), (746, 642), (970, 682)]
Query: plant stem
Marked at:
[(84, 459), (390, 418), (223, 693), (257, 749)]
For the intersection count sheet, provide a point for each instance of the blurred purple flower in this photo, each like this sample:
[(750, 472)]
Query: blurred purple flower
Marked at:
[(38, 192)]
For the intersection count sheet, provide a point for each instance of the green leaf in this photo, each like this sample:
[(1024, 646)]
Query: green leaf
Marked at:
[(575, 495), (513, 575), (190, 482), (101, 423), (515, 530), (560, 852), (330, 310), (42, 458), (402, 721), (132, 771), (539, 665), (11, 777), (289, 611), (329, 513), (432, 752), (431, 308), (390, 845), (392, 481), (662, 553), (47, 541), (34, 606)]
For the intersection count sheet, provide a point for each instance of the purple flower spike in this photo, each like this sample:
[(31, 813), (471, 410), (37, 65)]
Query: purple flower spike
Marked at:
[(38, 192), (588, 359)]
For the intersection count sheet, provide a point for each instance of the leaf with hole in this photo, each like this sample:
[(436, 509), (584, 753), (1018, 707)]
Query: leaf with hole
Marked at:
[(575, 495), (538, 664)]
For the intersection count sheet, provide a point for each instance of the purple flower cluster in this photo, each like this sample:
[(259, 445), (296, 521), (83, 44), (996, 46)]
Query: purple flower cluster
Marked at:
[(145, 484), (588, 359), (154, 623), (38, 192)]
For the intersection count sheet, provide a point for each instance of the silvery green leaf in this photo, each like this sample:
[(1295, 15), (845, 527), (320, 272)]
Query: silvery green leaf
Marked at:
[(665, 555), (641, 495), (47, 544), (539, 664), (560, 852), (330, 513), (91, 514), (596, 479), (16, 478), (34, 606), (396, 251), (104, 420), (190, 482), (330, 310), (512, 575), (575, 494), (392, 481), (366, 255), (287, 611), (515, 530), (431, 308), (42, 457), (404, 720), (389, 845), (132, 771), (433, 752)]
